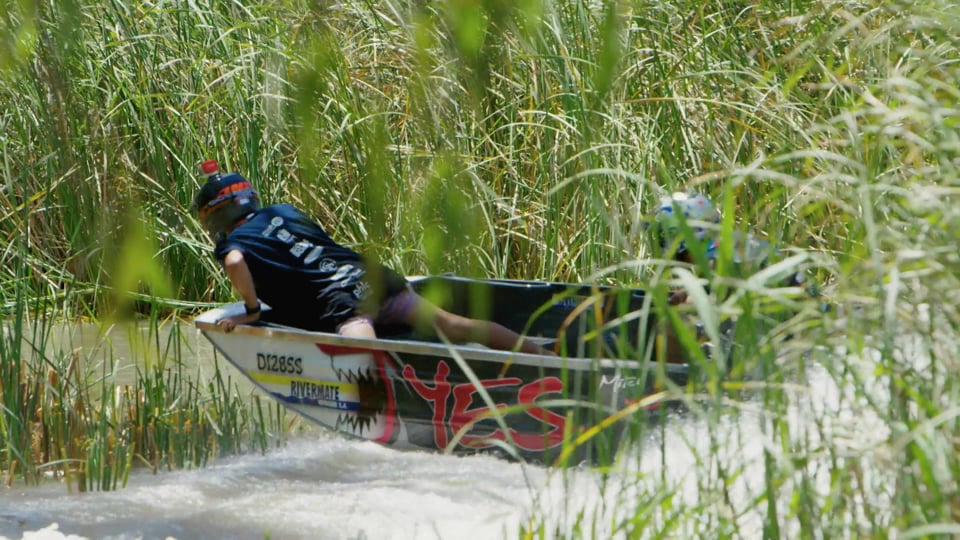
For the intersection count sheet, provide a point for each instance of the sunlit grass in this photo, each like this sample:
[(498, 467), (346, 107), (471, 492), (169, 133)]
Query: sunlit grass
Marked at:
[(523, 140), (70, 414)]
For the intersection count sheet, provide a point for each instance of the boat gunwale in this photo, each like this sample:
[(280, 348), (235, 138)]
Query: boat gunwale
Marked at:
[(206, 322)]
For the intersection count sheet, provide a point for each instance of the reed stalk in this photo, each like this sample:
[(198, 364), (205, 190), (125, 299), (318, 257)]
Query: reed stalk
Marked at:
[(526, 140)]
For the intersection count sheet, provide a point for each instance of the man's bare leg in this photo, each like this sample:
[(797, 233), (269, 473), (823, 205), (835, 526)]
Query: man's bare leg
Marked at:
[(459, 328), (360, 327)]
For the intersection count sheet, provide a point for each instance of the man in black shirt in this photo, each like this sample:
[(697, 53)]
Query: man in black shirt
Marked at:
[(281, 256)]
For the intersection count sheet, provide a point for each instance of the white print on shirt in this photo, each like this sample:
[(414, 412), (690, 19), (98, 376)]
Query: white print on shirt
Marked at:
[(300, 248), (313, 255), (274, 223), (361, 290), (284, 236), (342, 272), (327, 265), (346, 275)]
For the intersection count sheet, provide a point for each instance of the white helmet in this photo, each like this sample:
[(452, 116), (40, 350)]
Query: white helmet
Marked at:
[(697, 210)]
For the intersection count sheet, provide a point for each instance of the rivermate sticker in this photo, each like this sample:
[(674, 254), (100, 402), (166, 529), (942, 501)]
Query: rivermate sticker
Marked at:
[(333, 394)]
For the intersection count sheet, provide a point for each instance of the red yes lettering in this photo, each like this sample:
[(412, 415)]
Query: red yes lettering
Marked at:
[(463, 397), (527, 396), (437, 396), (462, 415)]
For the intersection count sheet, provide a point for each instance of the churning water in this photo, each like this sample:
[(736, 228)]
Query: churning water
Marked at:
[(316, 487)]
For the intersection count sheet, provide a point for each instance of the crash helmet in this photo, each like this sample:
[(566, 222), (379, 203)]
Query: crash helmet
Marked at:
[(697, 211), (224, 200)]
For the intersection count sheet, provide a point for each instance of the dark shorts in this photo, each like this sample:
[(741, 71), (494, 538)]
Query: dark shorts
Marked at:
[(331, 307), (395, 311), (384, 302)]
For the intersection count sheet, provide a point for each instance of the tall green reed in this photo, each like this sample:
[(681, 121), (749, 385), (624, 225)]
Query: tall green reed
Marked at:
[(67, 414), (846, 171), (528, 140)]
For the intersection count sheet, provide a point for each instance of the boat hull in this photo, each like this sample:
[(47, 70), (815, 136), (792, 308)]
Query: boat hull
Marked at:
[(410, 393)]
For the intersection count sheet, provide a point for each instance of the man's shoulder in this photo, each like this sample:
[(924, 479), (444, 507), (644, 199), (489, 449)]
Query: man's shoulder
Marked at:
[(225, 245), (284, 210), (281, 219)]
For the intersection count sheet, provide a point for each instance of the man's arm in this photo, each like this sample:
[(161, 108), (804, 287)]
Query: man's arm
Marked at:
[(239, 274)]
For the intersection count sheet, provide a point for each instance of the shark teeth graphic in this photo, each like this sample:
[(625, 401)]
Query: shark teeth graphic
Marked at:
[(359, 376), (373, 399), (355, 424)]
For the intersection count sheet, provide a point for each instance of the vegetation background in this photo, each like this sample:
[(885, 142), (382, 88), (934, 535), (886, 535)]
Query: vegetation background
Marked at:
[(522, 139)]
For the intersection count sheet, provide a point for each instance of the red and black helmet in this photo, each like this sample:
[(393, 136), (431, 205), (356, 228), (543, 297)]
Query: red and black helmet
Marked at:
[(223, 201)]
